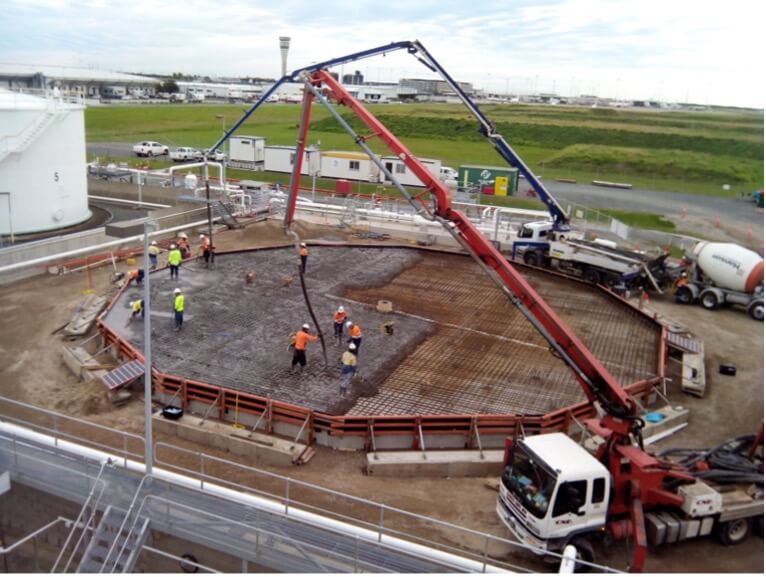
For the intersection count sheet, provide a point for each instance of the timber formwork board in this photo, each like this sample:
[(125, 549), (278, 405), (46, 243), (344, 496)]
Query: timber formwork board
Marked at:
[(458, 345)]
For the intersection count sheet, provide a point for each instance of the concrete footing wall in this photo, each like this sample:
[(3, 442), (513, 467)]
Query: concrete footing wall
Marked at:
[(435, 464), (259, 448)]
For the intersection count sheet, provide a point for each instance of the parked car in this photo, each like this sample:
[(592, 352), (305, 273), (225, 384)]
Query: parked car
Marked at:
[(149, 148), (215, 155), (184, 153)]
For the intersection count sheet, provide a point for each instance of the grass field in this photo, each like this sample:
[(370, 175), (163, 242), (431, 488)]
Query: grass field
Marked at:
[(696, 152)]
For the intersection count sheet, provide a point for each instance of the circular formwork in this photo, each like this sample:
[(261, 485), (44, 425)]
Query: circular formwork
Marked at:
[(460, 360)]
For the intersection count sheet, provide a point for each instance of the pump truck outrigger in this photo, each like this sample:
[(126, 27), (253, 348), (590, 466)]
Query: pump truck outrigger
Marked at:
[(622, 481)]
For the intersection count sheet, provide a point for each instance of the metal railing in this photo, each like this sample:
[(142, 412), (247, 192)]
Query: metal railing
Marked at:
[(381, 518), (64, 428)]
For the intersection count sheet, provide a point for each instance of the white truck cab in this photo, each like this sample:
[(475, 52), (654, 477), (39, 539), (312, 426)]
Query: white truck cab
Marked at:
[(552, 490), (447, 173)]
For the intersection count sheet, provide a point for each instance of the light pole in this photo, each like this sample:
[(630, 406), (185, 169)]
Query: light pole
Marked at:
[(148, 226), (148, 449), (222, 118)]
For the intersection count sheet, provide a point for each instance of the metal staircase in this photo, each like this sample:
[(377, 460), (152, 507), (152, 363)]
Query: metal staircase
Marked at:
[(226, 211), (114, 548), (222, 210), (20, 142)]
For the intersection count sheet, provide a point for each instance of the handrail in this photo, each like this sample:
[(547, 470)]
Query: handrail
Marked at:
[(33, 535), (304, 484), (57, 434), (97, 482), (132, 506)]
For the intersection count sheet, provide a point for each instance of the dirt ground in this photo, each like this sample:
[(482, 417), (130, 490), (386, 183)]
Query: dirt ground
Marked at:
[(31, 370)]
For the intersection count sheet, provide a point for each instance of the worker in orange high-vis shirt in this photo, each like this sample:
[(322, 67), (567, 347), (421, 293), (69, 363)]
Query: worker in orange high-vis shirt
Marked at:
[(302, 338), (355, 332), (339, 319), (304, 252), (204, 249)]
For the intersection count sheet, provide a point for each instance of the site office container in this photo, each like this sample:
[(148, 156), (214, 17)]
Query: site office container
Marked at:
[(404, 175), (500, 181), (349, 165), (282, 159), (247, 152)]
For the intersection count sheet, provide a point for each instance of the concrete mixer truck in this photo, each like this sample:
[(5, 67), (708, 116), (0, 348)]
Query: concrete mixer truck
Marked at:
[(722, 274)]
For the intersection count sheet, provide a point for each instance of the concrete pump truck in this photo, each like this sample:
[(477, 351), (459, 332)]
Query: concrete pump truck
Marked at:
[(553, 492)]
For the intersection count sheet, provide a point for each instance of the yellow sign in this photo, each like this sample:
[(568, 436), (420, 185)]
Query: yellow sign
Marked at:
[(501, 185)]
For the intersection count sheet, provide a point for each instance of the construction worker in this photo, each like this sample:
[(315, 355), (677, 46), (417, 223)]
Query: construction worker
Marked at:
[(348, 368), (183, 245), (355, 332), (339, 319), (154, 251), (178, 309), (680, 283), (136, 307), (174, 260), (302, 338), (304, 252), (204, 248), (136, 276)]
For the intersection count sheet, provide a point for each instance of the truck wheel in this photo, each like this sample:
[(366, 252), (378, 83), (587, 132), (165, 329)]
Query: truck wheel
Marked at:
[(734, 532), (612, 280), (755, 310), (150, 153), (684, 295), (532, 257), (709, 300), (584, 553), (592, 276)]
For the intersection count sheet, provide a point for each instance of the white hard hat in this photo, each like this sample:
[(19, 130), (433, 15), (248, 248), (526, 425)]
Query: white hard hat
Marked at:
[(172, 246), (303, 244), (178, 290), (352, 347), (340, 309), (348, 324), (154, 242), (202, 236), (306, 326), (683, 274)]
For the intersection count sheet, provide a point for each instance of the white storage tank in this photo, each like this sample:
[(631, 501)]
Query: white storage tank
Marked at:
[(729, 265), (42, 163)]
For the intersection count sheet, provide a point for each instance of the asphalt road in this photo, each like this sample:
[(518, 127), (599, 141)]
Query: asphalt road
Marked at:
[(732, 212)]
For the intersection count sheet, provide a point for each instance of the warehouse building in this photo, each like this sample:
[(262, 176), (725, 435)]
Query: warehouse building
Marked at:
[(84, 82)]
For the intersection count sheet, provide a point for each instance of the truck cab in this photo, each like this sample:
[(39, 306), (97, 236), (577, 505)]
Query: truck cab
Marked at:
[(552, 491)]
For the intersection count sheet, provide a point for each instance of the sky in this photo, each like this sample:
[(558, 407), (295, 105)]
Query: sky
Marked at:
[(667, 50)]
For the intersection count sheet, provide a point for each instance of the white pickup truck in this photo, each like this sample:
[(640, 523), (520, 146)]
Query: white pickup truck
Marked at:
[(149, 148), (184, 153)]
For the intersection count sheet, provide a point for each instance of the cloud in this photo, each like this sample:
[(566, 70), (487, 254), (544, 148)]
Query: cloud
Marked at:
[(675, 49)]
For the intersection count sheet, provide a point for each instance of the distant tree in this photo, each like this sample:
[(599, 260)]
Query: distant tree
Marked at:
[(169, 86)]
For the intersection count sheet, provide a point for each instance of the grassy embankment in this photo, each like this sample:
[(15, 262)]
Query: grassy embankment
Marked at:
[(696, 152)]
